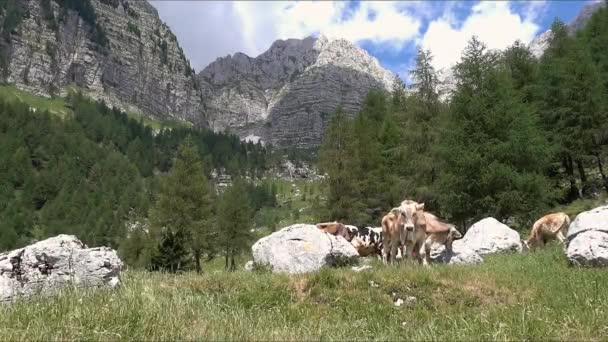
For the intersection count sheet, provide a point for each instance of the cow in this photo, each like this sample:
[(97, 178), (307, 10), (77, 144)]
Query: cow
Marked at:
[(335, 228), (424, 230), (414, 230), (393, 233), (439, 232), (547, 228), (366, 240)]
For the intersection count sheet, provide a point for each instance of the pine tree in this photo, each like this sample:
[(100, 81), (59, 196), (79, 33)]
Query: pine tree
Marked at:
[(493, 153), (235, 219), (171, 254), (185, 203), (337, 159)]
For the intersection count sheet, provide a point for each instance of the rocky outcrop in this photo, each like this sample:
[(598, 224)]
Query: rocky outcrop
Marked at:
[(489, 236), (286, 95), (302, 248), (52, 264), (587, 238), (141, 67), (461, 254), (539, 44)]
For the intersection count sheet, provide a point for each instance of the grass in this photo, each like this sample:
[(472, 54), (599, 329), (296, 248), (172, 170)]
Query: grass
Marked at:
[(55, 105), (58, 106), (578, 206), (514, 297)]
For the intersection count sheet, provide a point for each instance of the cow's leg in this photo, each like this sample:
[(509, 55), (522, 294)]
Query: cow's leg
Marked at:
[(560, 236), (394, 248), (422, 254)]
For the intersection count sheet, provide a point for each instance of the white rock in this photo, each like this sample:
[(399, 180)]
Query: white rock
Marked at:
[(302, 248), (51, 264), (489, 236), (588, 238), (461, 254)]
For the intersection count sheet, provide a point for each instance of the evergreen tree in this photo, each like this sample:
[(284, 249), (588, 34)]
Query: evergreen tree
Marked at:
[(185, 203), (493, 153), (235, 218), (171, 254)]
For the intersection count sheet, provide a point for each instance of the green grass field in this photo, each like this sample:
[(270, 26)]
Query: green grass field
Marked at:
[(54, 105), (512, 297)]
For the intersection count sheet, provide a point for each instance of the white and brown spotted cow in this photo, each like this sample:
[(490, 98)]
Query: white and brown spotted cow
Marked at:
[(547, 228), (366, 240)]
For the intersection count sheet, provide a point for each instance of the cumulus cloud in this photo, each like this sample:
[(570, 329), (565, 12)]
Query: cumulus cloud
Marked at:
[(208, 29), (495, 23)]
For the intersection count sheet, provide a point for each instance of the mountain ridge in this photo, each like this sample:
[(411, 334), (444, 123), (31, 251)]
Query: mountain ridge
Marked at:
[(295, 81)]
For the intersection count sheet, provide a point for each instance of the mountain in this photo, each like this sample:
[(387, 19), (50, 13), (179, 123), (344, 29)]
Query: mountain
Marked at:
[(286, 95), (116, 50), (541, 43)]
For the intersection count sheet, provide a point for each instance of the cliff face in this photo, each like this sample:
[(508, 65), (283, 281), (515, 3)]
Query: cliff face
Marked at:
[(286, 95), (122, 53), (541, 43)]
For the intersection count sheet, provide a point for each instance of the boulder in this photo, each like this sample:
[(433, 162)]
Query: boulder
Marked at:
[(587, 240), (489, 236), (461, 254), (302, 248), (51, 264)]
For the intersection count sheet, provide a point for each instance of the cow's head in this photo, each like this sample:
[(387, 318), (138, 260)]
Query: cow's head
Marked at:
[(411, 215), (453, 234)]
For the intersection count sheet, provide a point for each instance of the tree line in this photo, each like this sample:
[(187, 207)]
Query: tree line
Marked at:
[(513, 137)]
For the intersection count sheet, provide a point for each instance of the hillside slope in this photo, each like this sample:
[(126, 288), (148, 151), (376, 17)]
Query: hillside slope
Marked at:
[(286, 95), (116, 50)]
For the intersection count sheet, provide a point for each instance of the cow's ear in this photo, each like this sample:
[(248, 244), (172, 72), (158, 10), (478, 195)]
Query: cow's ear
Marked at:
[(420, 206)]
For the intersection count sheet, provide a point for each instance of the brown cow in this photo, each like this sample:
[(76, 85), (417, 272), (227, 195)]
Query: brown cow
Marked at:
[(414, 222), (439, 232), (335, 228), (547, 228), (392, 234), (427, 230)]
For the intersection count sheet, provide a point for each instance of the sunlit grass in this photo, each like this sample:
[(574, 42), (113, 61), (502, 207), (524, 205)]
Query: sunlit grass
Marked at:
[(514, 297)]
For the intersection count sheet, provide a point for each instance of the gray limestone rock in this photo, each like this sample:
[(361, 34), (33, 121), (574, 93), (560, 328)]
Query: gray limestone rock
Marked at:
[(54, 263), (143, 69), (302, 248), (286, 95), (489, 236), (461, 254), (587, 238)]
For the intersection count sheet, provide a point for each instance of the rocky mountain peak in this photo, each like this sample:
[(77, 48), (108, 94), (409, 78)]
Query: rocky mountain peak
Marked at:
[(539, 44), (286, 94)]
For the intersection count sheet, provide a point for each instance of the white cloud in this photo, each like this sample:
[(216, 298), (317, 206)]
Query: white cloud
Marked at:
[(493, 22), (379, 22)]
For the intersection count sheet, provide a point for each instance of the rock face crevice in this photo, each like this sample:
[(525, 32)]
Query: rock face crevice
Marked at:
[(141, 69), (286, 95)]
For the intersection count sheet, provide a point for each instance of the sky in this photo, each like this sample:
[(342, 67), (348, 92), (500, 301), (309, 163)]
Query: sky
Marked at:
[(391, 31)]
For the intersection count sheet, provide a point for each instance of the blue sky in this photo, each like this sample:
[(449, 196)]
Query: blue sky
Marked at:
[(390, 31)]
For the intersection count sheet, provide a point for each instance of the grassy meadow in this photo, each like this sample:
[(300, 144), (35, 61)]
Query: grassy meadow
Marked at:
[(511, 297)]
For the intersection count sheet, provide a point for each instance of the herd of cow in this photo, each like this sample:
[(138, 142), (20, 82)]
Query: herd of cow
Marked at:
[(409, 231)]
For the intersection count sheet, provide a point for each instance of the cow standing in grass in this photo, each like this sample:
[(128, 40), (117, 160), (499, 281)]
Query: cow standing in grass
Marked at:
[(414, 228), (393, 234), (547, 228)]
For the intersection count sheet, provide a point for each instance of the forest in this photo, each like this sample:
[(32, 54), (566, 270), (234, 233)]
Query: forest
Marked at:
[(516, 136), (89, 173)]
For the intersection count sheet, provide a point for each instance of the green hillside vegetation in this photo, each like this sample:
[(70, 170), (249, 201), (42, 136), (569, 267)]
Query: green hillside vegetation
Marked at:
[(510, 297), (87, 169)]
